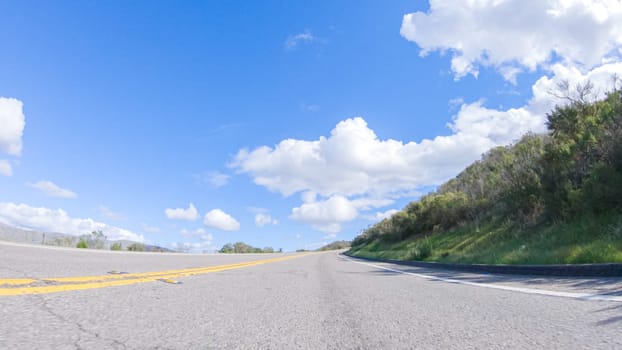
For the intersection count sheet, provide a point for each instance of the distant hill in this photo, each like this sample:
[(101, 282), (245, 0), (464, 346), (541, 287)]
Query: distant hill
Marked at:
[(336, 245), (15, 234), (19, 235)]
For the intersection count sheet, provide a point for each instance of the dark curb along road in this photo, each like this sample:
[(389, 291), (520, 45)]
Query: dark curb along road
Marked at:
[(578, 270)]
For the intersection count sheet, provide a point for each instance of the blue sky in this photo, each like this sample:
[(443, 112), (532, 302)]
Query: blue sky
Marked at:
[(278, 123)]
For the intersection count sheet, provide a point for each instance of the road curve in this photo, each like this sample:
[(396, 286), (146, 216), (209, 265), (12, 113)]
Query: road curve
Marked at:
[(315, 301)]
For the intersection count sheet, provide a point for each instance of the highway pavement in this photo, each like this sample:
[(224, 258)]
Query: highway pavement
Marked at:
[(53, 298)]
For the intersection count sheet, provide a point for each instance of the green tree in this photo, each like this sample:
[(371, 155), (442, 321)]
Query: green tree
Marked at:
[(136, 247), (241, 247), (94, 240), (227, 248)]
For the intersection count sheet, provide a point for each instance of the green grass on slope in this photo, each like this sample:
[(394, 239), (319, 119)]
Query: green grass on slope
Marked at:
[(585, 240)]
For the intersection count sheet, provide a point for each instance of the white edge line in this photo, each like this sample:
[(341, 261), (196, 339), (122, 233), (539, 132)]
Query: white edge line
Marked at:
[(581, 296)]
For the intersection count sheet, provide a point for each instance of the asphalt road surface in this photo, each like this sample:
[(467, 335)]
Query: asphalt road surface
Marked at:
[(66, 299)]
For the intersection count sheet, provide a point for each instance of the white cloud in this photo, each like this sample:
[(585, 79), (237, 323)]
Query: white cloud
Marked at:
[(381, 215), (5, 168), (57, 220), (308, 196), (354, 162), (293, 40), (502, 126), (457, 101), (13, 121), (369, 203), (217, 218), (264, 219), (601, 77), (326, 216), (53, 190), (190, 214), (511, 35)]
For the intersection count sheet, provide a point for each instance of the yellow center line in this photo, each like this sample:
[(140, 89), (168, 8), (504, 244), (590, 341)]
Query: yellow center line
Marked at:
[(94, 282), (82, 279), (16, 281)]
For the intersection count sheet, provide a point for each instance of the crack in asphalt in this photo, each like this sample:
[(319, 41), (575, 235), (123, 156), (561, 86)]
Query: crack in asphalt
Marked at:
[(83, 330), (19, 272)]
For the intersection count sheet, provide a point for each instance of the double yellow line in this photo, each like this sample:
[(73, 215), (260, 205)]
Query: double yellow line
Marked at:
[(25, 286)]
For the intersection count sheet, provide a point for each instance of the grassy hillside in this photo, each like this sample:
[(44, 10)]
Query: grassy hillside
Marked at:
[(554, 198), (336, 245)]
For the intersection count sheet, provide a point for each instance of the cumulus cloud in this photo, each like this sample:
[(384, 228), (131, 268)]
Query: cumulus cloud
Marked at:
[(512, 36), (57, 220), (217, 218), (5, 168), (352, 161), (327, 215), (381, 215), (53, 190), (370, 203), (262, 219), (13, 121), (190, 214), (294, 40)]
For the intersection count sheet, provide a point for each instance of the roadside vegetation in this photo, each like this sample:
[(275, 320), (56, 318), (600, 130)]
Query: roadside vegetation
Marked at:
[(336, 245), (136, 247), (93, 240), (98, 240), (241, 247), (553, 198)]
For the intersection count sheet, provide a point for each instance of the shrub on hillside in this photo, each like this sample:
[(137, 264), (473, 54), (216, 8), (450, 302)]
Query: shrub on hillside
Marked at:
[(136, 247), (421, 250)]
